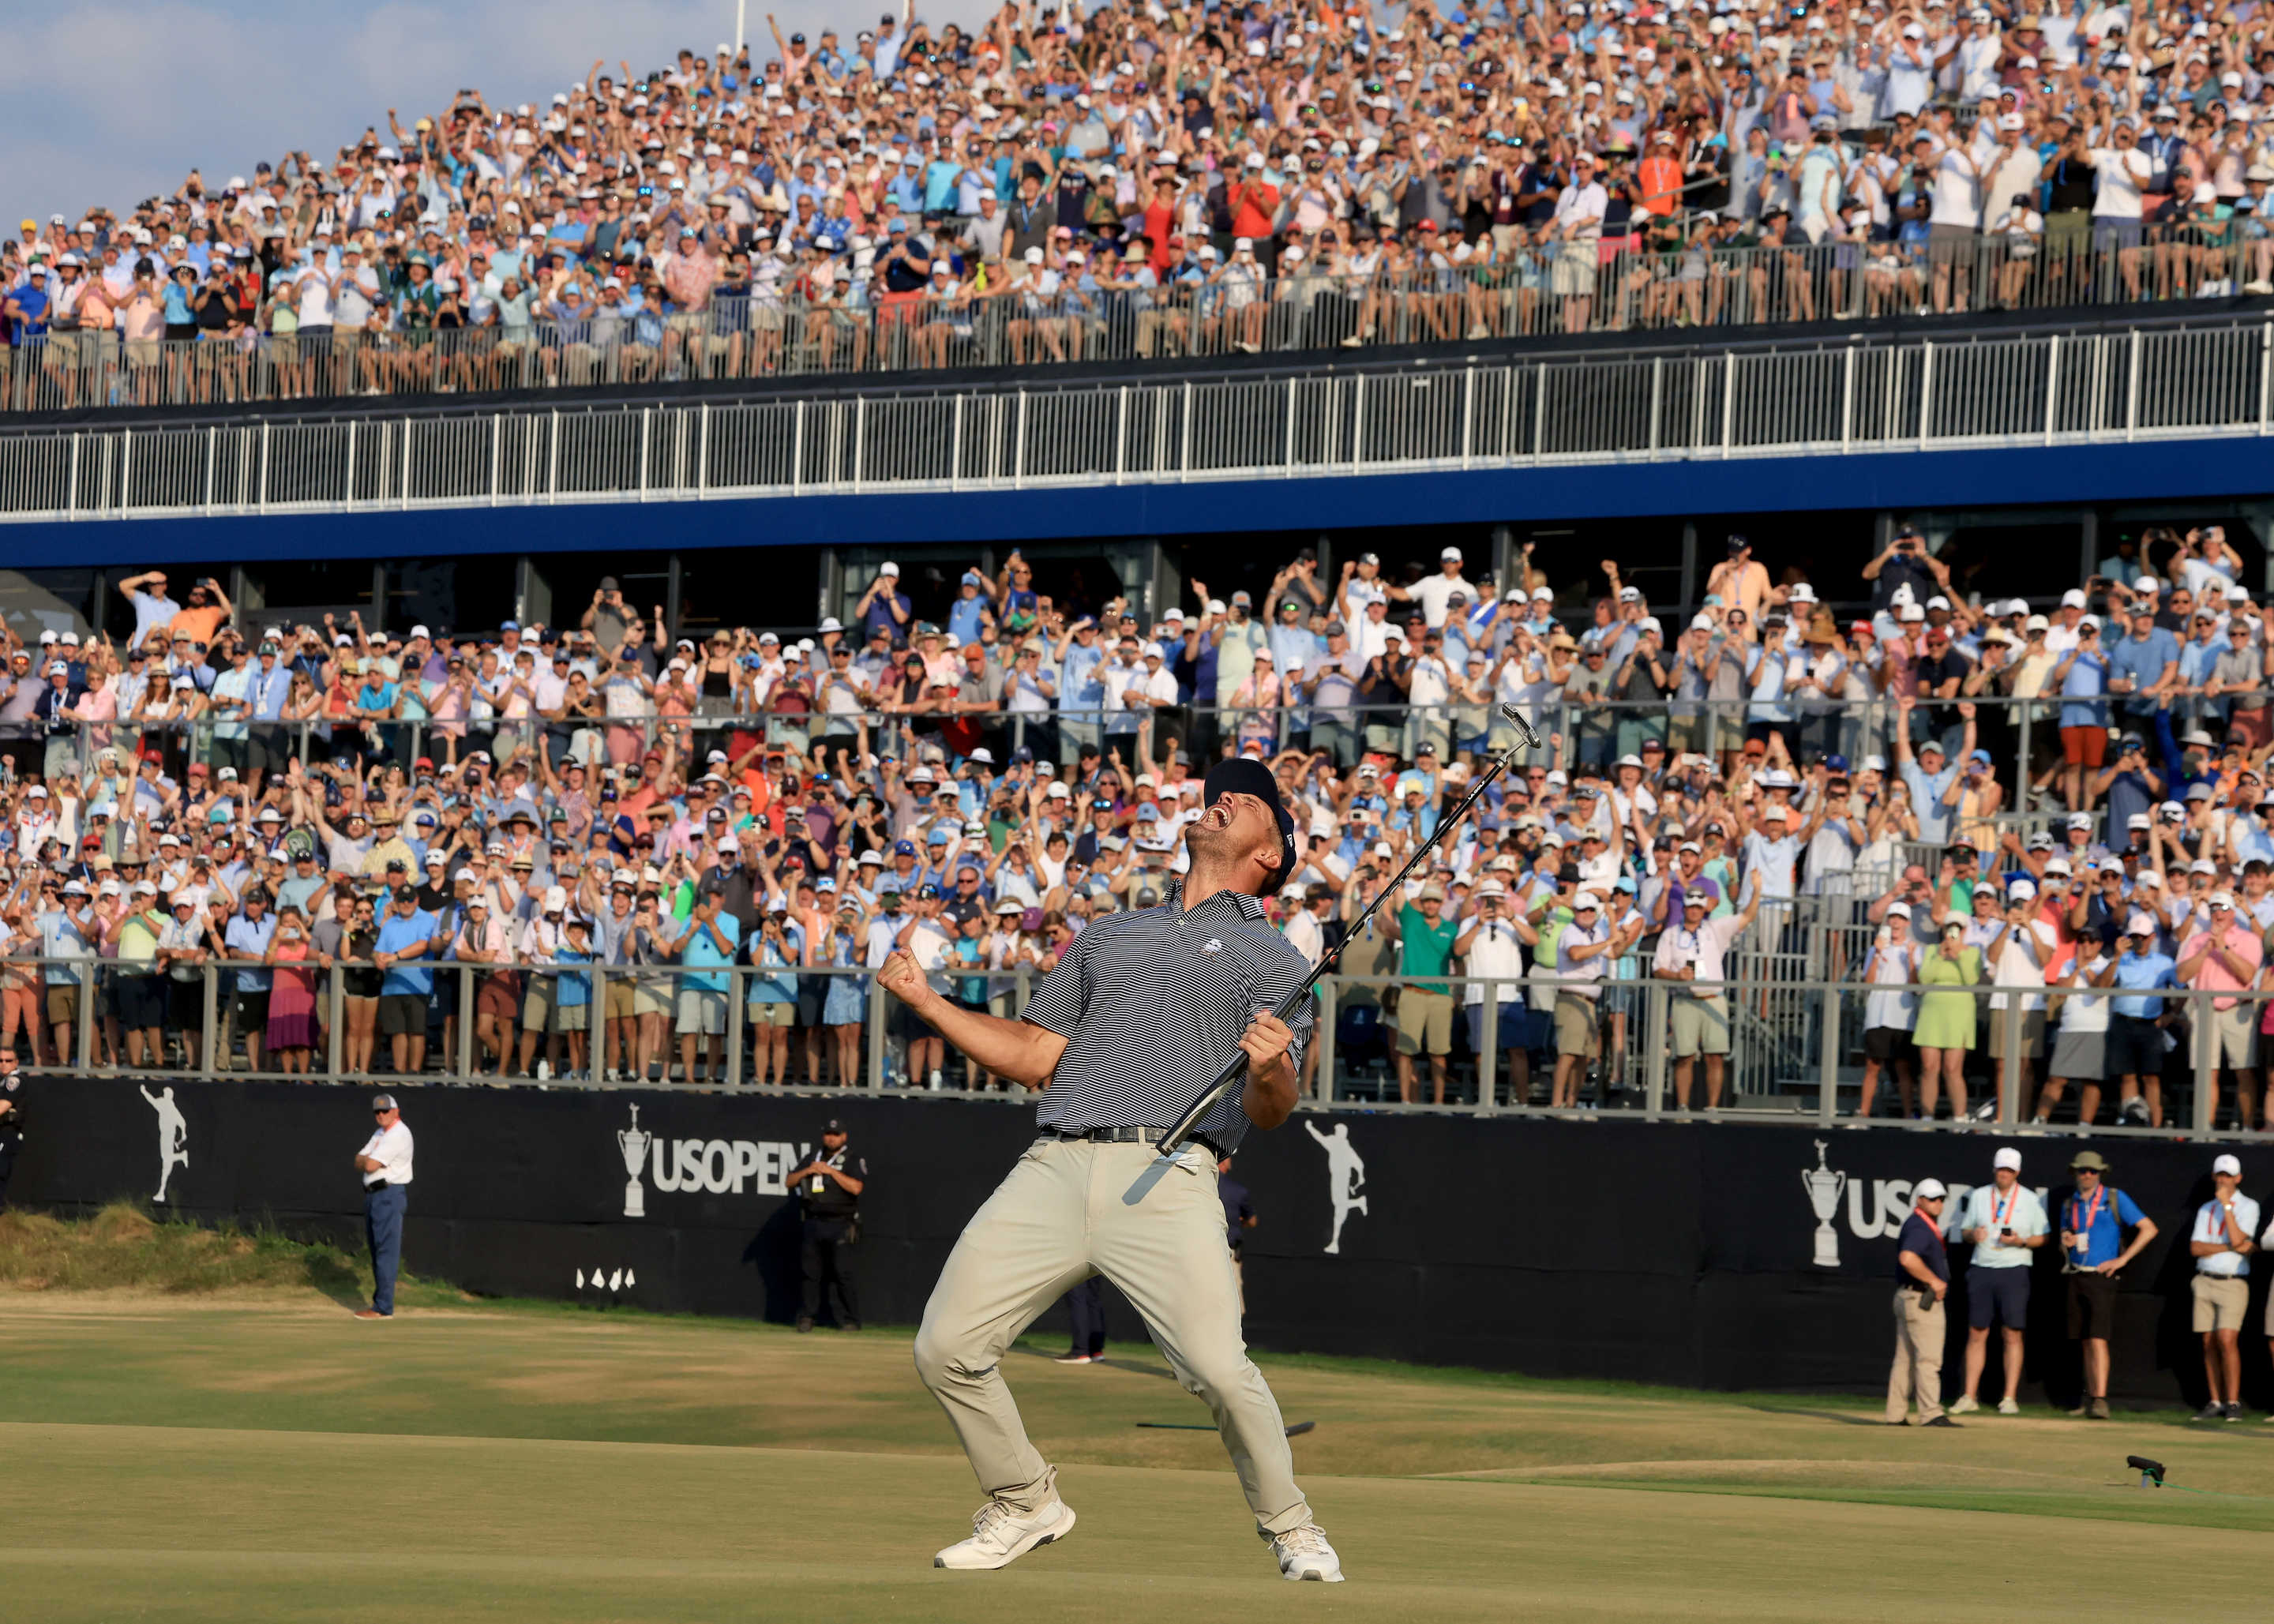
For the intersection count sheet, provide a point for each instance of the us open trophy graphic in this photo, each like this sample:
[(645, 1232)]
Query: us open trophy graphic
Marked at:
[(1824, 1186), (634, 1142)]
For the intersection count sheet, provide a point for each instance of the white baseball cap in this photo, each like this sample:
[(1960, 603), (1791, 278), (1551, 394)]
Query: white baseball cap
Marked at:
[(2227, 1164), (1585, 900), (2007, 1157), (1928, 1189)]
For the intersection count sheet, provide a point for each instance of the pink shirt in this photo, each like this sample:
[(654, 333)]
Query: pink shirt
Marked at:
[(2212, 976)]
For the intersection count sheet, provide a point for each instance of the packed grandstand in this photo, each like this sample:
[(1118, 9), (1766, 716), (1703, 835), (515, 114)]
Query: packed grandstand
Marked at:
[(241, 840), (1148, 181)]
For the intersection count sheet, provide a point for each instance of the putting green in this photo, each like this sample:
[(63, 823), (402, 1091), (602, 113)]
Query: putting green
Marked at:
[(267, 1457)]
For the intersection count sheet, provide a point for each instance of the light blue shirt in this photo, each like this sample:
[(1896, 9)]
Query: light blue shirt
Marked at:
[(246, 940), (398, 934), (699, 948), (2143, 971)]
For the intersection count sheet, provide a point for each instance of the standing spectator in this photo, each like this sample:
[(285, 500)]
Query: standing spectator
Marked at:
[(2139, 971), (1086, 1309), (1696, 950), (2093, 1255), (2221, 1244), (2224, 958), (2005, 1222), (1922, 1281), (1425, 1006), (1945, 1032), (384, 1162)]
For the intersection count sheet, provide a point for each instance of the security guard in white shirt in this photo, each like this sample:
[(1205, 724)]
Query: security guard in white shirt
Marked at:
[(384, 1164)]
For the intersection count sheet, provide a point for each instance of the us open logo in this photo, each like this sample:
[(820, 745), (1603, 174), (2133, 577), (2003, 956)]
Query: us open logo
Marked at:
[(699, 1166)]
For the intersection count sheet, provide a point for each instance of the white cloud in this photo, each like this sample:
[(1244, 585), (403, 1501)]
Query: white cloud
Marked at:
[(148, 93)]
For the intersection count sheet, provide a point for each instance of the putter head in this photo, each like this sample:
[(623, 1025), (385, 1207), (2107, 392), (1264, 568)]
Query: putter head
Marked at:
[(1516, 719)]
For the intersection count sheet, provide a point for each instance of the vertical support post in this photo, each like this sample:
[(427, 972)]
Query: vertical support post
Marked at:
[(2009, 1069), (877, 996), (2203, 1112), (209, 1000), (464, 1058), (736, 992), (1323, 1035), (334, 1006), (1655, 1015), (1489, 1050), (1827, 1079)]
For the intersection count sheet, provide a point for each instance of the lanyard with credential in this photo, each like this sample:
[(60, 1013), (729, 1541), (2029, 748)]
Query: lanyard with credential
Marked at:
[(2082, 1229)]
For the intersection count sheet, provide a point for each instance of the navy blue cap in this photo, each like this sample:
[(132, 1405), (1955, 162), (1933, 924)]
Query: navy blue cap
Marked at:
[(1242, 777)]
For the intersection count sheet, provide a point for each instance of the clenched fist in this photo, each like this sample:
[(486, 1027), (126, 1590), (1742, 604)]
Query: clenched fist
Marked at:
[(903, 978), (1266, 1039)]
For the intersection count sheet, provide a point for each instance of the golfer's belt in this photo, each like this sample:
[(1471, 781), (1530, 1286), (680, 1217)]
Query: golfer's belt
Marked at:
[(1126, 1136)]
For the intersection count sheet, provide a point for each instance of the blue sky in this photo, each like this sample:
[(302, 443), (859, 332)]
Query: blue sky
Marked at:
[(103, 103)]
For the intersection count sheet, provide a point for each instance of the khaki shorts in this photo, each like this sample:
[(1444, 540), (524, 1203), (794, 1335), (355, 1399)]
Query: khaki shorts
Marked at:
[(620, 999), (772, 1014), (537, 1007), (63, 1007), (573, 1018), (1701, 1026), (1575, 1025), (2233, 1036), (702, 1013), (652, 995), (2221, 1301), (1425, 1022), (2033, 1033)]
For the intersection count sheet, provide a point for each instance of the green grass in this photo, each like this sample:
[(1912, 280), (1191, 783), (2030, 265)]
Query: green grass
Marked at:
[(221, 1440)]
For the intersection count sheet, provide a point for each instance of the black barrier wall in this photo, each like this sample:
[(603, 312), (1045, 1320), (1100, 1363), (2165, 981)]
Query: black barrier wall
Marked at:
[(1717, 1256)]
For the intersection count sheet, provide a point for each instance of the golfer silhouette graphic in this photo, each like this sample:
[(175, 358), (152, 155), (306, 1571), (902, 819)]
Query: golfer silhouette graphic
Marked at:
[(173, 1137), (1345, 1176)]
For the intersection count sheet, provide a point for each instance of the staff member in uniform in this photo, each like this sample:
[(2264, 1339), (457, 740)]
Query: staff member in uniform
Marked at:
[(2221, 1245), (1138, 1019), (2004, 1222), (1238, 1218), (2093, 1252), (384, 1162), (11, 1120), (830, 1186), (1922, 1279)]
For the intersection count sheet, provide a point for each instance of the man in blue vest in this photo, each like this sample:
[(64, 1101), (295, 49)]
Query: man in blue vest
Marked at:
[(2093, 1252)]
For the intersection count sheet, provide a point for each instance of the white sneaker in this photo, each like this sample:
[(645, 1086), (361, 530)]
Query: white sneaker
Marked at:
[(1304, 1553), (1965, 1406), (1000, 1537), (2007, 1407)]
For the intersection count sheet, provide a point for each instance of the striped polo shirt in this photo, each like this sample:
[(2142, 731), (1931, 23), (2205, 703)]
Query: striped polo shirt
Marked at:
[(1152, 1004)]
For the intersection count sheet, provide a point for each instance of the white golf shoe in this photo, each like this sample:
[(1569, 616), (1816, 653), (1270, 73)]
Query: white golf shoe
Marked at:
[(1000, 1537), (1304, 1553)]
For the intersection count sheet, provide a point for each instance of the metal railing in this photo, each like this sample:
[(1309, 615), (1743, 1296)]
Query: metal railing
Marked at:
[(630, 1027), (1532, 288), (1875, 394)]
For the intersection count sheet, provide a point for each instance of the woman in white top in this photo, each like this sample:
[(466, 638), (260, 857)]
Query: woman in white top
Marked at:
[(2081, 1041), (1890, 1011)]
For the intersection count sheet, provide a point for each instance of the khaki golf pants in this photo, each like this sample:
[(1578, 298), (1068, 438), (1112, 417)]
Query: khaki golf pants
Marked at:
[(1071, 1208), (1919, 1357)]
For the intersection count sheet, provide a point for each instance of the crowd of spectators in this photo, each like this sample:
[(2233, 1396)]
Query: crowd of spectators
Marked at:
[(1177, 173), (735, 831)]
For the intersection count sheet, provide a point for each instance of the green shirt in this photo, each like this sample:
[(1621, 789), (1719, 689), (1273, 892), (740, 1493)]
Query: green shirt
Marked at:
[(1428, 947)]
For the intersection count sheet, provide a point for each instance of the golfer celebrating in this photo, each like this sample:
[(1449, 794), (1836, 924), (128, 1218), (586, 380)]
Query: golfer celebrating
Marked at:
[(1139, 1017)]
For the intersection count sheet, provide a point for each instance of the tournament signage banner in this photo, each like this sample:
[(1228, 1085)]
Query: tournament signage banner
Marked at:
[(1717, 1255)]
